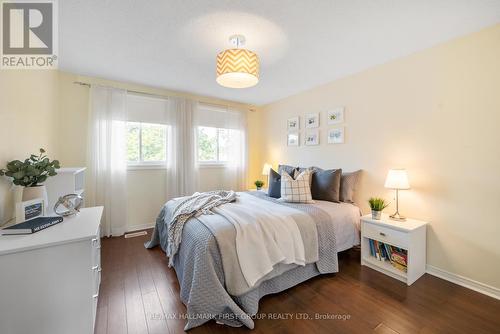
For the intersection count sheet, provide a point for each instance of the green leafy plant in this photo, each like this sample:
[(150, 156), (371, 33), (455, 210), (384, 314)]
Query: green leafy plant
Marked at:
[(32, 171), (259, 183), (377, 204)]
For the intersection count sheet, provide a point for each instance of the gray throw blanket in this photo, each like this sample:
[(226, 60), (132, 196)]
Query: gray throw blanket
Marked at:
[(189, 207)]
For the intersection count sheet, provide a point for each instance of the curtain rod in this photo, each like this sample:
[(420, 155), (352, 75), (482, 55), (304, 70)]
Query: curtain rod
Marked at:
[(163, 96), (128, 90)]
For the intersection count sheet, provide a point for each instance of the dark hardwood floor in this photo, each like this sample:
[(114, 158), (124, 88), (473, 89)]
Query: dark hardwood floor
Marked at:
[(138, 288)]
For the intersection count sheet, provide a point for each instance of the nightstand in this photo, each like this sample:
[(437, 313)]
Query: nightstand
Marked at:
[(407, 238)]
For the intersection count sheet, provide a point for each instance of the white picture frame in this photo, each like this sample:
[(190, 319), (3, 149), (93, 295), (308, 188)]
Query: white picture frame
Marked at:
[(312, 121), (311, 138), (293, 124), (336, 135), (293, 139), (27, 210), (335, 116)]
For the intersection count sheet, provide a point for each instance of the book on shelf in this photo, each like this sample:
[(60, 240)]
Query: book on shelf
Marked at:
[(396, 256), (31, 226)]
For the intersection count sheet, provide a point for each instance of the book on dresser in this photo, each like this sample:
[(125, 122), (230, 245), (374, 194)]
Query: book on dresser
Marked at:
[(31, 226)]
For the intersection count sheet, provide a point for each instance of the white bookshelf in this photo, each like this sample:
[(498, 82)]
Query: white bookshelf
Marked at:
[(67, 181)]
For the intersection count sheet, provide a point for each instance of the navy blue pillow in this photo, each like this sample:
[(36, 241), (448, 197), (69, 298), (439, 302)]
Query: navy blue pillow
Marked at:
[(274, 188)]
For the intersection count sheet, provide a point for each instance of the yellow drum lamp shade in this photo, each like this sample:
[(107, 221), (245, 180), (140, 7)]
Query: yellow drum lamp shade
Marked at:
[(237, 68)]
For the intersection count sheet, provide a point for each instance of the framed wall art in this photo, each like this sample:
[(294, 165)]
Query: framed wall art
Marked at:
[(292, 124), (336, 136), (312, 121), (312, 138), (293, 139), (335, 116)]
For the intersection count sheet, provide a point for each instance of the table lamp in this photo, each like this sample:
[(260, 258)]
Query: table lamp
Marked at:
[(266, 170), (397, 179)]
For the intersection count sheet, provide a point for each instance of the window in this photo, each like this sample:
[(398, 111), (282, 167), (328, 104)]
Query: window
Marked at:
[(213, 144), (146, 143)]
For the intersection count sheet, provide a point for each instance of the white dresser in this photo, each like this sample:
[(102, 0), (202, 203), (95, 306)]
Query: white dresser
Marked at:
[(49, 280)]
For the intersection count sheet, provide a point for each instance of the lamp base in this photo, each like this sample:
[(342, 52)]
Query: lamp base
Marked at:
[(398, 217)]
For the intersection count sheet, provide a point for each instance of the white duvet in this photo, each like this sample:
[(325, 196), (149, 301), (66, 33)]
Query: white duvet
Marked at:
[(265, 236)]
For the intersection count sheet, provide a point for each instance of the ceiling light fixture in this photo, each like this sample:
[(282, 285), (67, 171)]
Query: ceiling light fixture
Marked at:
[(237, 68)]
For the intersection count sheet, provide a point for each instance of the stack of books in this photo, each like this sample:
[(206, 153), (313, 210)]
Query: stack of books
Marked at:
[(398, 257)]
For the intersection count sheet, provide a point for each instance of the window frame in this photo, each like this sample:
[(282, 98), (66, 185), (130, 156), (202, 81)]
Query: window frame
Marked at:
[(141, 164), (210, 163)]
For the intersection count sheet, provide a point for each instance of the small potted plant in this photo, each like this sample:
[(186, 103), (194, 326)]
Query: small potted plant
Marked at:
[(377, 205), (259, 184), (31, 173)]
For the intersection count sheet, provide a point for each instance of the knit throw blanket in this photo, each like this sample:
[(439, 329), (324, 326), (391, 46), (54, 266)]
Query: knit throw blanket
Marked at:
[(193, 206)]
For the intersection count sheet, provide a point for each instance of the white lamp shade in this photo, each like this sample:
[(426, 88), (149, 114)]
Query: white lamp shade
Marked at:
[(267, 167), (397, 179)]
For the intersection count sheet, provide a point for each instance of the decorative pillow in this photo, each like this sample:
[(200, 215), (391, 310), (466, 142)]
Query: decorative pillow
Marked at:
[(298, 190), (287, 168), (313, 170), (326, 185), (348, 182), (274, 184)]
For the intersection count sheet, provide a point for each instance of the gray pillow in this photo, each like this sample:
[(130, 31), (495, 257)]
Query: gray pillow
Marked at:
[(348, 182), (313, 169), (287, 168), (325, 185), (274, 186)]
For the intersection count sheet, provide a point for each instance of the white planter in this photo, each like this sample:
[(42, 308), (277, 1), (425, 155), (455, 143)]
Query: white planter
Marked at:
[(376, 214), (39, 191)]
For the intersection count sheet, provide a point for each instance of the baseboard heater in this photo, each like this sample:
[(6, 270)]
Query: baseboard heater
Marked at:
[(135, 234)]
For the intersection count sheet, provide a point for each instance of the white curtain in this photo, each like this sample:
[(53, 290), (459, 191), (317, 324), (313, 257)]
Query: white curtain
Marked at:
[(106, 157), (235, 175), (234, 122), (182, 170)]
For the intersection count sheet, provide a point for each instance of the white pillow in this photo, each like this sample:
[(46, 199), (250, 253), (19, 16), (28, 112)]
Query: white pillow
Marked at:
[(298, 190)]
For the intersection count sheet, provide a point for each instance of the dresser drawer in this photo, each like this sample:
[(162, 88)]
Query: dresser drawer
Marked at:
[(386, 235), (96, 263)]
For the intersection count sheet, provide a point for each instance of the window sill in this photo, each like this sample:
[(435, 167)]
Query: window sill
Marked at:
[(212, 165), (146, 167)]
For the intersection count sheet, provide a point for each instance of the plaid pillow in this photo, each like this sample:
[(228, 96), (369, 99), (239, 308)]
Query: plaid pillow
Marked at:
[(298, 190)]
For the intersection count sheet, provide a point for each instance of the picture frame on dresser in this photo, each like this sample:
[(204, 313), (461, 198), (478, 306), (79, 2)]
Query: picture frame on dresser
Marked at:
[(27, 210)]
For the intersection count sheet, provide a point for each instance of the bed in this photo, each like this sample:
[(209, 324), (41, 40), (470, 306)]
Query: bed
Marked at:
[(211, 284)]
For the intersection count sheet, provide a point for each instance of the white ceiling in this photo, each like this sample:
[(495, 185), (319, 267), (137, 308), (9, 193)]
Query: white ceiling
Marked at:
[(301, 44)]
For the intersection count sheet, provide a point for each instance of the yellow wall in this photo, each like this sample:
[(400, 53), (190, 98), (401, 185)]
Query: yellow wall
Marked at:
[(146, 188), (436, 113), (28, 121), (46, 109)]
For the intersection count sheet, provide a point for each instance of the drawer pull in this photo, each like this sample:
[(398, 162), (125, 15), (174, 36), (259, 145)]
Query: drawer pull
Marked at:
[(95, 296), (382, 234), (96, 268)]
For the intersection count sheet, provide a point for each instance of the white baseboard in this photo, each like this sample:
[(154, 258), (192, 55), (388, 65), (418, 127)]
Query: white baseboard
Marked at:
[(464, 281), (140, 227)]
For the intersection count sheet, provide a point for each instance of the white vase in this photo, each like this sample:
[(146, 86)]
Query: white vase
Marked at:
[(376, 214), (39, 191)]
